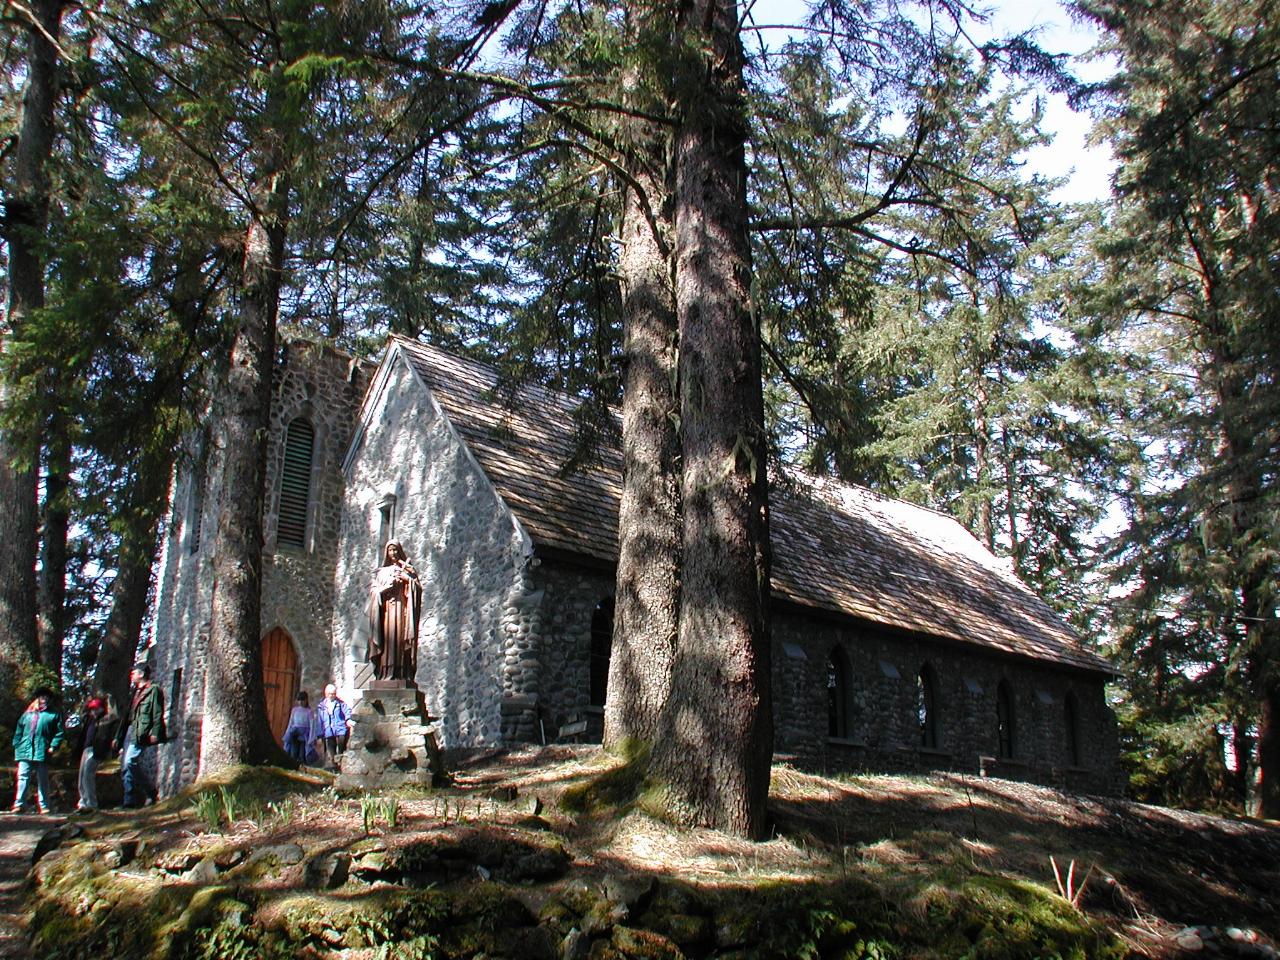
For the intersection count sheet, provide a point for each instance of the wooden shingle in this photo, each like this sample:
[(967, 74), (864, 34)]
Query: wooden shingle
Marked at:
[(837, 548)]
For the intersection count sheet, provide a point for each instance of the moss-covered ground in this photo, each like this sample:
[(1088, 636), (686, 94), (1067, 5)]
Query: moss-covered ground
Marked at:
[(552, 853)]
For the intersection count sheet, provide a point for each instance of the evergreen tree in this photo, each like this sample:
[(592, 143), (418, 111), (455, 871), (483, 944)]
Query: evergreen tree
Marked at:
[(27, 189), (916, 328), (1193, 116)]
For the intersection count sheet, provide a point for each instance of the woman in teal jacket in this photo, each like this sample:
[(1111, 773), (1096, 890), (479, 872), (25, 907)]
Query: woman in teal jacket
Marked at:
[(35, 736)]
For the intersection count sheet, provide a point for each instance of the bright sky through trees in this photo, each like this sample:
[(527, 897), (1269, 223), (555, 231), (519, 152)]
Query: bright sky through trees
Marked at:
[(1087, 168)]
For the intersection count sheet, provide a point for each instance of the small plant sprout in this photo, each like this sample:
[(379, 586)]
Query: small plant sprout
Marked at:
[(1067, 889), (369, 813), (391, 812), (282, 812), (208, 808), (230, 803)]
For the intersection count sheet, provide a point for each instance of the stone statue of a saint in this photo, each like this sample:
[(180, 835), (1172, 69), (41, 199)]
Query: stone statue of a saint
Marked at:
[(395, 604)]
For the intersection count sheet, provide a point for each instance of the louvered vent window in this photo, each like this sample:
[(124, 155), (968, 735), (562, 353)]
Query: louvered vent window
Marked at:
[(295, 484)]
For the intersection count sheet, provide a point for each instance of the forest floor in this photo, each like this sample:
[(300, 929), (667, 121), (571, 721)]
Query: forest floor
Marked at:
[(19, 835), (549, 852)]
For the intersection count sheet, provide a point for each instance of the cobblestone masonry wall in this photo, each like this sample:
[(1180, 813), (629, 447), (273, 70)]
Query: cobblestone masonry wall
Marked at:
[(884, 726), (313, 381), (883, 718), (505, 636), (477, 632), (571, 595)]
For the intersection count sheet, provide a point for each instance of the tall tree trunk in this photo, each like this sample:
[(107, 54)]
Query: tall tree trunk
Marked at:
[(131, 587), (714, 757), (1268, 746), (235, 715), (646, 611), (25, 222), (1242, 745), (148, 499), (1016, 551), (52, 622), (981, 466), (1244, 466)]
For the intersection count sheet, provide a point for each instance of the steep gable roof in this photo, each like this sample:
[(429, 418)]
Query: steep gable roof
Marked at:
[(837, 548)]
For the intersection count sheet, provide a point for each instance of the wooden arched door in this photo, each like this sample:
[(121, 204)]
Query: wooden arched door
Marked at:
[(279, 678)]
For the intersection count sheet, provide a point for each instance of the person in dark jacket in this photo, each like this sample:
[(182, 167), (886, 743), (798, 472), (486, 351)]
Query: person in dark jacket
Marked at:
[(37, 734), (143, 728), (97, 727)]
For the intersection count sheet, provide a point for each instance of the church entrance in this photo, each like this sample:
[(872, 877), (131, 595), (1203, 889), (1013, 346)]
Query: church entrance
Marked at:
[(279, 678)]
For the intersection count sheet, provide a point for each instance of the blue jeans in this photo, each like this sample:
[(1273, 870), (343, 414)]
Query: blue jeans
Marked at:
[(43, 791), (295, 743), (138, 787)]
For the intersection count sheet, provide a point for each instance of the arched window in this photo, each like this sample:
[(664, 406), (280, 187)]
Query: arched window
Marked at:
[(1004, 719), (601, 648), (295, 483), (927, 706), (839, 690), (195, 502), (1071, 715)]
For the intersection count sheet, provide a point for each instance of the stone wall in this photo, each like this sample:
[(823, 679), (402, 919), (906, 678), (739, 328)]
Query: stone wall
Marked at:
[(571, 595), (478, 608), (884, 727), (505, 635), (321, 384), (882, 706)]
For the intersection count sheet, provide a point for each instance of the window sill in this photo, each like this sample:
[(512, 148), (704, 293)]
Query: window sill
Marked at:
[(845, 744)]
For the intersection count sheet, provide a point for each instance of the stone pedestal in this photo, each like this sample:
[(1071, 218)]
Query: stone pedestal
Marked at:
[(392, 741)]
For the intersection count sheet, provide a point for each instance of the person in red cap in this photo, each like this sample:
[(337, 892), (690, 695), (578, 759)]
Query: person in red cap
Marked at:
[(97, 722)]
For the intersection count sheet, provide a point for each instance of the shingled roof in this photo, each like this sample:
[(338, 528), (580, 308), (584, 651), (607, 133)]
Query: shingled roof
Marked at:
[(837, 548)]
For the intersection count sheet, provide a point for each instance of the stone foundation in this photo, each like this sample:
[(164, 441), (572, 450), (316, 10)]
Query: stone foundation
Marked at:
[(392, 743)]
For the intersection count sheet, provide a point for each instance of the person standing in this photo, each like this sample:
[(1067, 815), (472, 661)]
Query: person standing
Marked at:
[(97, 724), (143, 728), (334, 722), (37, 734), (301, 731)]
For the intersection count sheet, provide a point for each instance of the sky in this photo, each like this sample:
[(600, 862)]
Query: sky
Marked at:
[(1086, 168)]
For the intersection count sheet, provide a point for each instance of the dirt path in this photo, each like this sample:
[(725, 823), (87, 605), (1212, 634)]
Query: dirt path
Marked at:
[(18, 836)]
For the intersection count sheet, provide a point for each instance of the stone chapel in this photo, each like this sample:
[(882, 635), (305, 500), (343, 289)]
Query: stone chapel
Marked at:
[(899, 641)]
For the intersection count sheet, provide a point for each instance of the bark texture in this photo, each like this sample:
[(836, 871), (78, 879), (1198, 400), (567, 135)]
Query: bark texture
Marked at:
[(646, 612), (235, 718), (52, 587), (714, 757), (25, 221), (130, 589)]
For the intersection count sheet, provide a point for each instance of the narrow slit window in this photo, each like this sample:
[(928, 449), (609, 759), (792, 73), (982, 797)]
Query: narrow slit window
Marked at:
[(927, 707), (838, 693), (175, 692), (195, 502), (1005, 719), (386, 521), (295, 484), (601, 650)]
